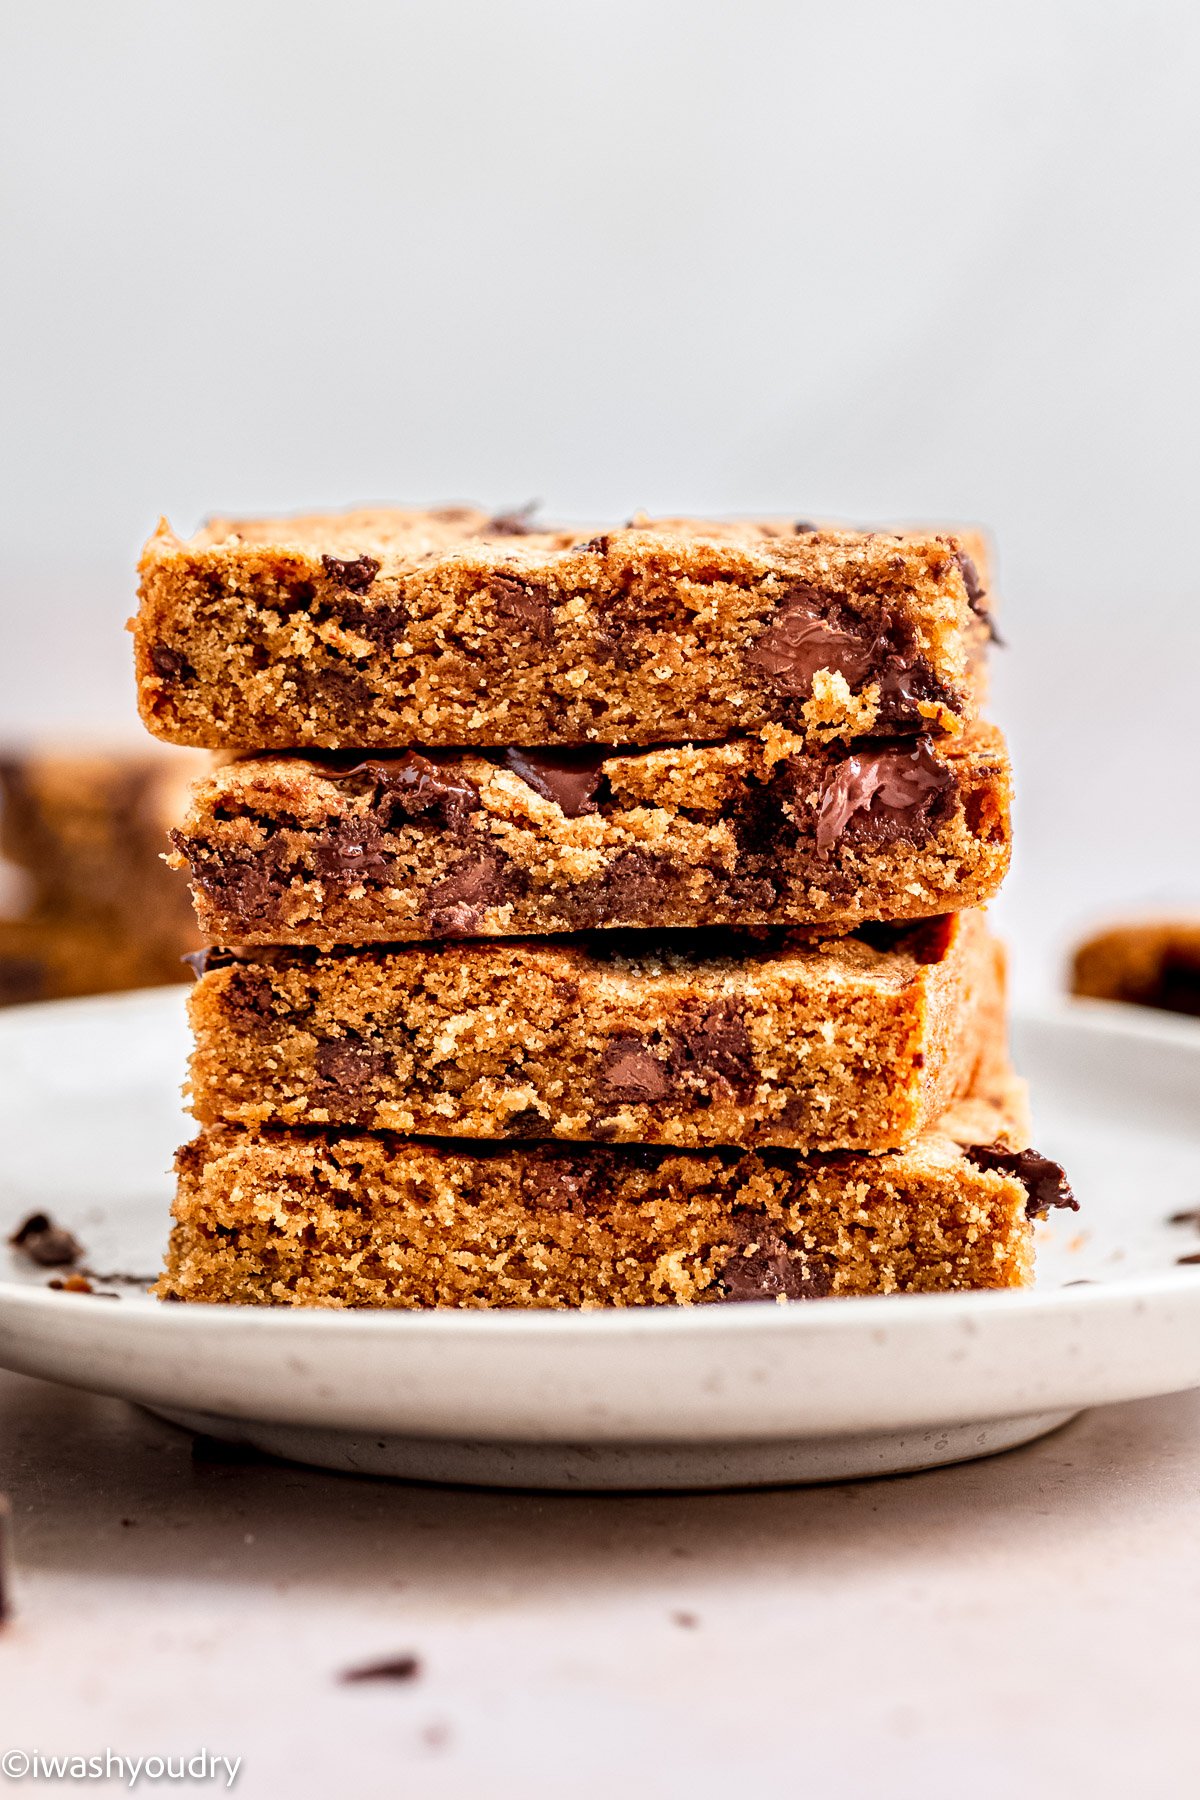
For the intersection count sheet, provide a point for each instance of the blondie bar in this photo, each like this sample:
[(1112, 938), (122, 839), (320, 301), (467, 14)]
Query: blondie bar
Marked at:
[(755, 831), (327, 1218), (387, 628), (698, 1038)]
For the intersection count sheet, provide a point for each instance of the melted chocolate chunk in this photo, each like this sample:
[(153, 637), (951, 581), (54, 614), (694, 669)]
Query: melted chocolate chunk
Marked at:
[(211, 957), (805, 638), (764, 1266), (1044, 1181), (348, 849), (525, 603), (516, 522), (394, 1668), (414, 787), (349, 1064), (457, 904), (630, 1072), (354, 573), (892, 788), (170, 664), (714, 1046), (49, 1245), (573, 779)]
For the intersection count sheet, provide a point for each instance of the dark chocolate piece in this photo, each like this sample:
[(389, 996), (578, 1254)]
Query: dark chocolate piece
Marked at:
[(170, 664), (1044, 1181), (571, 778), (394, 1668), (45, 1243), (354, 573), (976, 594), (895, 783), (417, 787), (526, 603), (766, 1267), (349, 1064), (211, 957), (803, 639), (630, 1072), (714, 1046), (1193, 1258), (1191, 1216)]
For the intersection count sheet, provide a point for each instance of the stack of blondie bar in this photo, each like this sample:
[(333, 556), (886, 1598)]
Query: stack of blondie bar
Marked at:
[(596, 919)]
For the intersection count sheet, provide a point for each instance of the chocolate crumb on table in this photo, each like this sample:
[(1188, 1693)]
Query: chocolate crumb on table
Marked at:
[(45, 1243), (394, 1668), (1154, 963), (353, 850), (385, 627), (854, 1043)]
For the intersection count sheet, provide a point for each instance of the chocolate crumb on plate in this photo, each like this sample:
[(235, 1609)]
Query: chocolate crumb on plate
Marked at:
[(1193, 1258), (394, 1668), (45, 1243)]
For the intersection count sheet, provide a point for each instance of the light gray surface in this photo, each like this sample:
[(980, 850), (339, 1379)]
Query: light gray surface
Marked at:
[(1024, 1625), (867, 260)]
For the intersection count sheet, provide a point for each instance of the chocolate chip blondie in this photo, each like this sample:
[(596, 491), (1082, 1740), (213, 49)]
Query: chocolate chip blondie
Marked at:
[(329, 1218), (858, 1043), (1154, 963), (305, 850), (384, 629)]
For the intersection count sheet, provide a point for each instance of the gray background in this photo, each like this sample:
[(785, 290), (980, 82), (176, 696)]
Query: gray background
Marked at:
[(873, 261)]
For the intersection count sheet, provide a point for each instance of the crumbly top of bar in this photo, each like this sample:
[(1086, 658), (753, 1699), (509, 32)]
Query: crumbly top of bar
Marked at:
[(404, 540)]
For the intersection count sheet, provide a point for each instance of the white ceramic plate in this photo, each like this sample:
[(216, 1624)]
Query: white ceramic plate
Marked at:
[(720, 1396)]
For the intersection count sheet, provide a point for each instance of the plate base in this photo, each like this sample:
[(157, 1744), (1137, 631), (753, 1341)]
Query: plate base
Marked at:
[(583, 1468)]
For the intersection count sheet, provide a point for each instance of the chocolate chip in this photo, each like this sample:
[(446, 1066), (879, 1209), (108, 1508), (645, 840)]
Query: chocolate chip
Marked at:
[(634, 887), (1044, 1181), (349, 1064), (1177, 987), (348, 849), (516, 522), (1191, 1216), (561, 1183), (354, 573), (805, 528), (891, 786), (1193, 1258), (458, 903), (630, 1072), (573, 779), (416, 787), (395, 1668), (45, 1243), (597, 546), (172, 665), (714, 1046), (248, 998), (526, 604), (803, 639), (764, 1266)]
